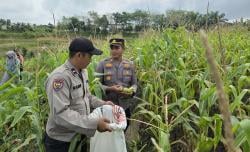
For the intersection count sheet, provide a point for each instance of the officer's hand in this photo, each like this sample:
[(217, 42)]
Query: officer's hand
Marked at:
[(116, 88), (126, 94), (103, 126), (109, 103)]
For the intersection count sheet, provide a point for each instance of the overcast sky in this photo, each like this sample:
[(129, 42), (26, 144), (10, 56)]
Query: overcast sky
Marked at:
[(40, 11)]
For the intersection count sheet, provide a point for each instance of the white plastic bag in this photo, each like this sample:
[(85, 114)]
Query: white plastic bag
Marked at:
[(110, 141)]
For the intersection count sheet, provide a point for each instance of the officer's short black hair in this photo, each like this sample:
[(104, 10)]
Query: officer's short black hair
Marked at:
[(71, 54)]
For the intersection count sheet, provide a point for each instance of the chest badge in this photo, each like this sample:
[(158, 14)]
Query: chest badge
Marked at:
[(126, 72), (108, 77), (108, 65), (77, 86)]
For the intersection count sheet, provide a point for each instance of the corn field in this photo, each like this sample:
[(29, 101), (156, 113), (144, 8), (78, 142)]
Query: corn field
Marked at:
[(178, 106)]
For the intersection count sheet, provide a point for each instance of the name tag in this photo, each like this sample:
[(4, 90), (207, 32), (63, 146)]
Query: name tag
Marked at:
[(77, 86)]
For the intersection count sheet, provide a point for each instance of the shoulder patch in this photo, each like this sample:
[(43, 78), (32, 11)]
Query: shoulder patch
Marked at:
[(58, 84), (126, 65), (107, 59)]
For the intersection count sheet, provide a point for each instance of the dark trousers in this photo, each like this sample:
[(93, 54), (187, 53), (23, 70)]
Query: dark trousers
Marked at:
[(52, 145), (128, 115), (21, 70)]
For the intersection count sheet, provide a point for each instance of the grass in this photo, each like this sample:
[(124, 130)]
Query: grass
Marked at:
[(33, 44)]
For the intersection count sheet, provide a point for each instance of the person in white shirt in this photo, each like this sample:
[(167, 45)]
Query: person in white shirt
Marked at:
[(110, 141)]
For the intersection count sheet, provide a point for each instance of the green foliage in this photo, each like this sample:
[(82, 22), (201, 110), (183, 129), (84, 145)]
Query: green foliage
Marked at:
[(173, 64), (170, 63)]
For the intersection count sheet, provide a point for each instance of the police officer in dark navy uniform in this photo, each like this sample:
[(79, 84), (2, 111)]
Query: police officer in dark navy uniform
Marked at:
[(117, 74)]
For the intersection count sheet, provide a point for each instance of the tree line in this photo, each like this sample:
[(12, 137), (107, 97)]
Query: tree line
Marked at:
[(136, 21), (139, 20), (7, 25)]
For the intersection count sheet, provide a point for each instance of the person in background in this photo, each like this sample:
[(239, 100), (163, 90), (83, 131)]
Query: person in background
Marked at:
[(21, 60), (12, 67), (117, 76)]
